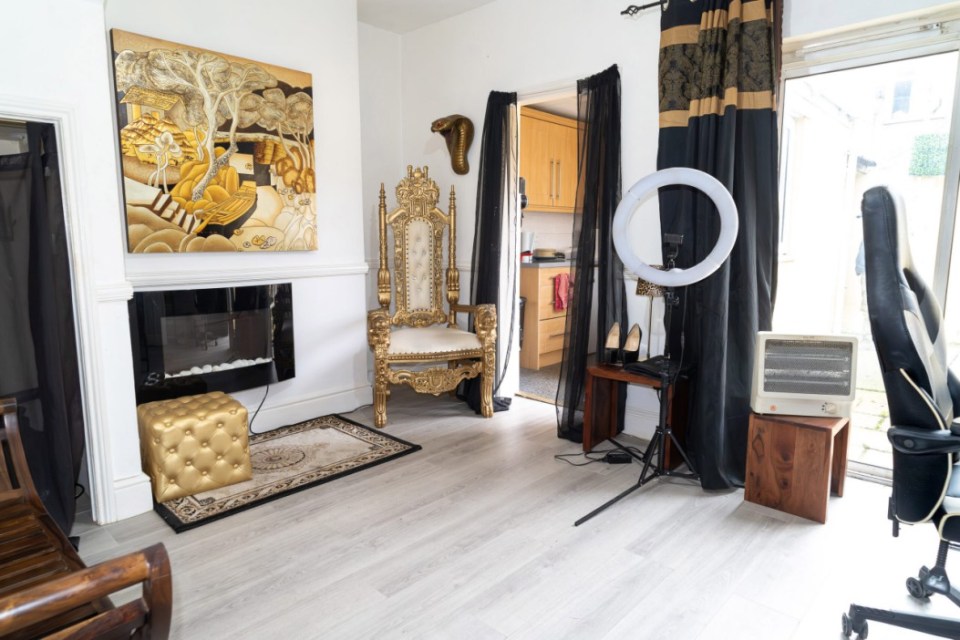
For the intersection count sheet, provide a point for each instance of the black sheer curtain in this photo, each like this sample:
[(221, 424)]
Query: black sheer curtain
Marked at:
[(598, 194), (38, 351), (717, 79), (496, 210)]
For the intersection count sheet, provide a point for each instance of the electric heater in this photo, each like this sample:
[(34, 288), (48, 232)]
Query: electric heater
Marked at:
[(804, 375)]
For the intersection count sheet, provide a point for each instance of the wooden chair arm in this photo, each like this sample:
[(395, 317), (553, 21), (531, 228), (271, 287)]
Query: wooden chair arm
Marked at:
[(10, 435), (484, 319), (485, 309), (151, 567), (466, 308)]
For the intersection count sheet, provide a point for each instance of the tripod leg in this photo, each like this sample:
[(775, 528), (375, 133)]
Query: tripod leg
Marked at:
[(607, 504), (654, 449), (686, 458), (648, 456)]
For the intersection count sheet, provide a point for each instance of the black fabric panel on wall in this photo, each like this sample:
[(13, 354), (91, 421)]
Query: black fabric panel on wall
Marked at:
[(495, 178), (598, 194), (44, 374)]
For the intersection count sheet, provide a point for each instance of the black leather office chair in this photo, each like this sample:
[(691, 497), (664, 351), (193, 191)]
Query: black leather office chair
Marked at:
[(923, 396)]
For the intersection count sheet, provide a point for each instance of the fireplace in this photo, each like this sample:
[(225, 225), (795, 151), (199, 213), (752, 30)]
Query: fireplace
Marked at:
[(190, 341)]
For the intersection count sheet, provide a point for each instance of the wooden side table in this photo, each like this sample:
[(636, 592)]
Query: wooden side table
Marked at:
[(600, 407), (794, 462)]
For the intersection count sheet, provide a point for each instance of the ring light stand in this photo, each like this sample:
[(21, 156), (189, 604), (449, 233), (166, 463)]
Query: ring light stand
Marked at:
[(654, 462)]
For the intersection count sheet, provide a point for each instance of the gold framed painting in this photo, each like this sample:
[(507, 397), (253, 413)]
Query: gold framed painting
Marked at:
[(217, 151)]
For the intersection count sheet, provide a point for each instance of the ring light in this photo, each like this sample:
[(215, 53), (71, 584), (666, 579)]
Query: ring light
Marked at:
[(676, 277)]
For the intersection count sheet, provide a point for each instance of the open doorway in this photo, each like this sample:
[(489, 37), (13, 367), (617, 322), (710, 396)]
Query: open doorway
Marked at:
[(843, 132), (548, 160)]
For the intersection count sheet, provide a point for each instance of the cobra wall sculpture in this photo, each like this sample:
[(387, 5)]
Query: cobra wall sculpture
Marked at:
[(457, 130)]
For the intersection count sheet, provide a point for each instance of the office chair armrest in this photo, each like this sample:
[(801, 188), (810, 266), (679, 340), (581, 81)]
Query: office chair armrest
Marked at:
[(923, 441), (953, 385)]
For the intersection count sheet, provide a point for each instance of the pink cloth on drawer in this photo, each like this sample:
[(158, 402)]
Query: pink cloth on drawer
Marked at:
[(561, 291)]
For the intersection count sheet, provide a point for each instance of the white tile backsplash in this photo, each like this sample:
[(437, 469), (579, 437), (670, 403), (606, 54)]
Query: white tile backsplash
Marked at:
[(551, 230)]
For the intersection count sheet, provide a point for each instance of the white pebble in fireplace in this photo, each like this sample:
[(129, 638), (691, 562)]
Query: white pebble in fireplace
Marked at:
[(208, 368)]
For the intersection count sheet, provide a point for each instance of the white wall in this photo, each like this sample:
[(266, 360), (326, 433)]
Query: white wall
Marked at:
[(551, 230), (328, 284), (63, 74), (381, 136), (812, 16), (525, 46)]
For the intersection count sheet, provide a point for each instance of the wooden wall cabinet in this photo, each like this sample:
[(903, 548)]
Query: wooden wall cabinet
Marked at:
[(543, 325), (548, 160)]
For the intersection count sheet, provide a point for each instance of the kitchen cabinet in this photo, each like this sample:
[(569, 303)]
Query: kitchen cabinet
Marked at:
[(543, 324), (548, 160)]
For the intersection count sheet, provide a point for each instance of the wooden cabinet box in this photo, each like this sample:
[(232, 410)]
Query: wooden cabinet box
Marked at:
[(548, 160), (795, 462), (543, 324)]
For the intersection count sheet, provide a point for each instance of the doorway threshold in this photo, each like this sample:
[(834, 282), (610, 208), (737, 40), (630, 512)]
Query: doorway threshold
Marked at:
[(870, 473), (540, 384)]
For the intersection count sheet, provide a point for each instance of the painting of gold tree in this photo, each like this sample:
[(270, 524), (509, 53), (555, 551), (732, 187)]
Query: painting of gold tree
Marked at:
[(217, 151)]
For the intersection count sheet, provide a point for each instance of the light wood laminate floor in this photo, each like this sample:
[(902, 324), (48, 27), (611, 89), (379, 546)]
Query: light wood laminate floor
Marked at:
[(473, 538)]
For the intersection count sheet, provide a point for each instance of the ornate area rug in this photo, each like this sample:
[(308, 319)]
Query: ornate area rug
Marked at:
[(287, 460)]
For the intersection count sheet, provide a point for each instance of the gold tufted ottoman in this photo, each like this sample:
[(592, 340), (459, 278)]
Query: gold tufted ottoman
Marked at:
[(193, 444)]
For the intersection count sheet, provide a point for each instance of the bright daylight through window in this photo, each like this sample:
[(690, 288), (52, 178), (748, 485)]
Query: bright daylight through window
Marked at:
[(844, 132)]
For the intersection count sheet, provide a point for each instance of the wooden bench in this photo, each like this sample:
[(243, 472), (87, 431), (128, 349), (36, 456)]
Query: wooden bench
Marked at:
[(45, 588)]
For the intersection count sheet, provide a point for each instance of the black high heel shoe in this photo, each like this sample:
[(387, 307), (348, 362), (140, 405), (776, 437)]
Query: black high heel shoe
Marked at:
[(612, 345), (631, 346)]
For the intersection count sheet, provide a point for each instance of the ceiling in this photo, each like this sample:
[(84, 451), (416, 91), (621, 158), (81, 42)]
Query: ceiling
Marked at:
[(401, 16), (566, 106)]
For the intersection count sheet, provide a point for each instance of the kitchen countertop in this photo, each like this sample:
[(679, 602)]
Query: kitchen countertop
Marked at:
[(545, 264)]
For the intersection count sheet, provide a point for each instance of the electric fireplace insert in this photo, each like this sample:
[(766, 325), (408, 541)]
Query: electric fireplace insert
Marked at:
[(189, 341)]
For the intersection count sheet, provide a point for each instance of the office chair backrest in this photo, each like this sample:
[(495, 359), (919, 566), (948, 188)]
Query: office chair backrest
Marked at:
[(906, 322)]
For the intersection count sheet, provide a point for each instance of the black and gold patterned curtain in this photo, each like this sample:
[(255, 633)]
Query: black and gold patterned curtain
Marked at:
[(718, 74)]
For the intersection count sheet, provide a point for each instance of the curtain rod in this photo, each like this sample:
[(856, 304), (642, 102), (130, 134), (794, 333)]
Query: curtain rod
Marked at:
[(634, 9)]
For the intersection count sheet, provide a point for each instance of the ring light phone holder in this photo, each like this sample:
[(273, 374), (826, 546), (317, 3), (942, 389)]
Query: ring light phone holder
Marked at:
[(653, 458)]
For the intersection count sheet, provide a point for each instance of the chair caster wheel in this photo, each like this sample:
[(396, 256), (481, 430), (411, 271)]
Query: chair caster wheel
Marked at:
[(849, 628), (916, 589)]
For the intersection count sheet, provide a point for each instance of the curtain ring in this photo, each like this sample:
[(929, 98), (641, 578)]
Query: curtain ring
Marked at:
[(665, 5)]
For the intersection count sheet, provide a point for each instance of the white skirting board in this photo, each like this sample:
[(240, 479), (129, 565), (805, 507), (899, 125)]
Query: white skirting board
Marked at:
[(131, 496), (640, 422), (307, 407)]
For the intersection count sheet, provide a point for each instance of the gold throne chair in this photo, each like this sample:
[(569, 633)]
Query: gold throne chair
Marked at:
[(420, 333)]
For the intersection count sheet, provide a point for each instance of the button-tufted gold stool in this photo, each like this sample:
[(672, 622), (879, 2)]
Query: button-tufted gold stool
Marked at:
[(193, 444)]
